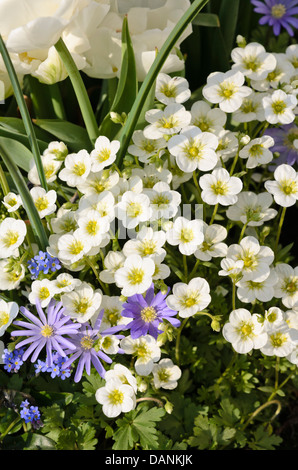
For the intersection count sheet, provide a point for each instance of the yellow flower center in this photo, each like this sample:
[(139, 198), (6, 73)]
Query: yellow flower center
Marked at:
[(116, 397), (76, 247), (147, 248), (82, 305), (278, 106), (10, 238), (163, 375), (4, 318), (256, 150), (104, 155), (41, 203), (251, 63), (87, 342), (92, 227), (169, 90), (135, 276), (186, 235), (134, 209), (227, 90), (79, 169), (278, 11), (47, 331), (44, 293), (289, 187), (278, 339), (245, 329), (148, 314), (220, 188)]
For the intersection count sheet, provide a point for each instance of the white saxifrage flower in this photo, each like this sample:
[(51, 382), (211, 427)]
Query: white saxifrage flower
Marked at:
[(244, 331), (171, 89), (122, 373), (144, 148), (104, 153), (98, 182), (248, 291), (92, 228), (188, 299), (77, 167), (166, 122), (286, 287), (279, 107), (71, 248), (112, 262), (206, 118), (135, 277), (102, 203), (164, 201), (8, 312), (148, 243), (226, 89), (285, 187), (44, 201), (133, 208), (11, 274), (65, 282), (251, 109), (12, 235), (186, 234), (212, 246), (12, 202), (146, 351), (194, 149), (257, 151), (166, 374), (252, 209), (42, 290), (253, 61), (281, 340), (82, 303), (256, 258), (115, 398), (51, 166), (65, 221), (219, 187)]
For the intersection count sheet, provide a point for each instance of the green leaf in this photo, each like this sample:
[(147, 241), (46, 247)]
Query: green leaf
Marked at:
[(127, 88), (138, 426), (207, 19), (133, 117), (34, 218), (75, 137), (24, 112), (21, 155), (228, 17)]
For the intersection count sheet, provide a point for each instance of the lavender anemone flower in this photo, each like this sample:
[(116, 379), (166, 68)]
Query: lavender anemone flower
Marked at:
[(284, 137), (46, 331), (147, 313), (87, 348), (278, 14)]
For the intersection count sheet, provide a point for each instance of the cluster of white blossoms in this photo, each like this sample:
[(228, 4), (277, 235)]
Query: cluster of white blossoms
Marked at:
[(131, 228), (91, 30)]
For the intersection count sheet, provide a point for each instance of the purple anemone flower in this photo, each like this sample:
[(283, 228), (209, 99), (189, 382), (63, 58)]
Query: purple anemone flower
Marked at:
[(284, 137), (87, 349), (147, 313), (278, 14), (47, 331)]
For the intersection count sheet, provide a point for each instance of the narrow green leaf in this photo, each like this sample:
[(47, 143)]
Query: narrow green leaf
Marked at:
[(24, 112), (127, 88), (79, 89), (74, 136), (23, 139), (21, 155), (33, 216), (228, 17), (131, 122), (207, 19)]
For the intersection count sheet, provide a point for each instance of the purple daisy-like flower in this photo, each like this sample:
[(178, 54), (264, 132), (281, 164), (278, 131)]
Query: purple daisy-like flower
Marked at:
[(284, 137), (147, 313), (278, 14), (48, 331), (87, 349)]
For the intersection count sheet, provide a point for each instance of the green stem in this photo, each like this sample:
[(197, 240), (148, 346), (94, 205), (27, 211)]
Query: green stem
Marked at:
[(167, 47), (185, 268), (214, 214), (177, 346), (57, 102), (79, 89), (234, 163), (234, 295), (3, 182), (281, 221), (242, 232), (24, 113), (91, 265)]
